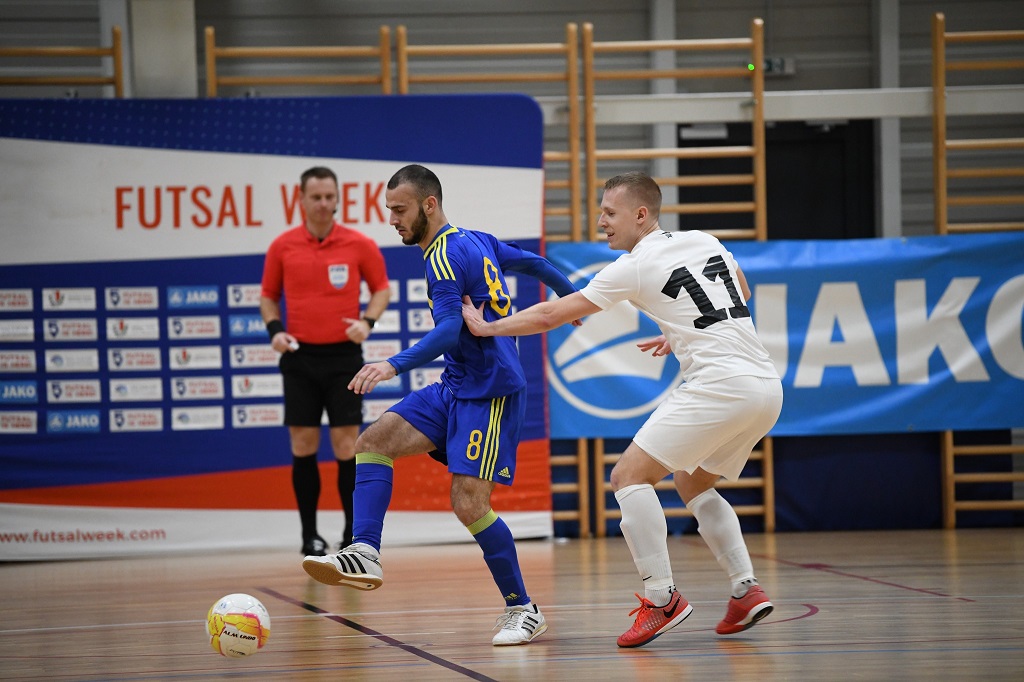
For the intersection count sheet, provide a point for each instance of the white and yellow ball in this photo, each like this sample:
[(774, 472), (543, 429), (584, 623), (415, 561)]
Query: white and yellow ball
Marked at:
[(238, 625)]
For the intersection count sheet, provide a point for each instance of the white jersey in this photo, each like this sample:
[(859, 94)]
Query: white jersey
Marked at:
[(687, 283)]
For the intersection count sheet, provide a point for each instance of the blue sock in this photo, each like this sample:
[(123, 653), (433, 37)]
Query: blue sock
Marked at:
[(374, 476), (495, 539)]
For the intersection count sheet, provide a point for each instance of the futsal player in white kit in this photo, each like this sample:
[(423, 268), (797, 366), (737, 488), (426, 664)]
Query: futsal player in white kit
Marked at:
[(731, 396)]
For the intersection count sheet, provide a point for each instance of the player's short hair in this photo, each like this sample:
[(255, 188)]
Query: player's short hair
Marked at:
[(421, 178), (641, 187), (318, 172)]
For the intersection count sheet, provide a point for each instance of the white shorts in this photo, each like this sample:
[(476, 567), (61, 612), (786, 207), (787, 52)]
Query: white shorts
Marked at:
[(713, 426)]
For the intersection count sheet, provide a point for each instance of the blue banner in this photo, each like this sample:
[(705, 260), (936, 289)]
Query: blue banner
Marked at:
[(869, 336), (137, 309), (138, 388)]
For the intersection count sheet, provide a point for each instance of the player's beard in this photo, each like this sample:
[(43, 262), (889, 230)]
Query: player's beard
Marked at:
[(417, 230)]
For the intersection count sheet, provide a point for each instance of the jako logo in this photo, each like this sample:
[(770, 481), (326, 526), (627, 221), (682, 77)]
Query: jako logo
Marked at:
[(193, 297), (247, 326), (18, 392), (84, 421), (598, 369)]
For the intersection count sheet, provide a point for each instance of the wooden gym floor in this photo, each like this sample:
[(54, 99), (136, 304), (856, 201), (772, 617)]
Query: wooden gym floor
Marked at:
[(908, 605)]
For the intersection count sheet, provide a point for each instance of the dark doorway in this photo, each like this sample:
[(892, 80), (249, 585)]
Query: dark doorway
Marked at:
[(820, 181)]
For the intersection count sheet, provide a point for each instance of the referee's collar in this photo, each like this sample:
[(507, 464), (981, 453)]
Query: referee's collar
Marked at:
[(330, 234)]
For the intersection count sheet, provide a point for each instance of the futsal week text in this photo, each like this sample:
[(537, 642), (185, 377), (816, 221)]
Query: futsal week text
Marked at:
[(235, 206)]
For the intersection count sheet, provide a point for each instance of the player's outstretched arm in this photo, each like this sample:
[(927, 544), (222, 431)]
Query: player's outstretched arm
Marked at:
[(438, 340), (514, 258), (541, 269), (533, 320)]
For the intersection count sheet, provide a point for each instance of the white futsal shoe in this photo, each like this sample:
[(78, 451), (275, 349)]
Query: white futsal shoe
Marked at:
[(358, 566), (519, 625)]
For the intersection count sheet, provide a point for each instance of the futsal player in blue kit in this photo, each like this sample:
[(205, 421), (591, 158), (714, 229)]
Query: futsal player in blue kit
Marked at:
[(470, 420)]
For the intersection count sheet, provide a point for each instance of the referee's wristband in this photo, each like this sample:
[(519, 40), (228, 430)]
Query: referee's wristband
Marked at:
[(370, 321), (273, 327)]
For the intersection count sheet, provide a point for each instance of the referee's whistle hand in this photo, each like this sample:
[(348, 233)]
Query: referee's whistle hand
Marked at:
[(356, 330)]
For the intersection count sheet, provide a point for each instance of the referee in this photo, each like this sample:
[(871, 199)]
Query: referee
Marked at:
[(318, 268)]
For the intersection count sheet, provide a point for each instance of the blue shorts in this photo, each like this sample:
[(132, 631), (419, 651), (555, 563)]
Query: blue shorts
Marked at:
[(476, 438)]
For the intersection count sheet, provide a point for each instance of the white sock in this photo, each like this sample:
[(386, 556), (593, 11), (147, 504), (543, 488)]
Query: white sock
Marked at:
[(720, 528), (646, 531)]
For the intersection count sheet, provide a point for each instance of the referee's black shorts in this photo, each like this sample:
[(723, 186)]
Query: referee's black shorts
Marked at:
[(316, 377)]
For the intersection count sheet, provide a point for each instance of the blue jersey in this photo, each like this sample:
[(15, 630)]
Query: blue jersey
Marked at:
[(468, 263), (459, 263)]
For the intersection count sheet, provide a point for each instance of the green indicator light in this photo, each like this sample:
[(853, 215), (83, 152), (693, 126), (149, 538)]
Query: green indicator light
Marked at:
[(750, 66)]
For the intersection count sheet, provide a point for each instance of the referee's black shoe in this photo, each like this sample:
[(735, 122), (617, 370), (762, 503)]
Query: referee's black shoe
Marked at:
[(314, 546)]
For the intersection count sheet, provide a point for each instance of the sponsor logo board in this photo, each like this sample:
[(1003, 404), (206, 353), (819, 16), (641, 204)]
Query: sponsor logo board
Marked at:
[(73, 391), (194, 357), (197, 418), (253, 416), (132, 298), (83, 298), (133, 328), (19, 422), (197, 388), (133, 359), (142, 419), (136, 390), (84, 360), (257, 386)]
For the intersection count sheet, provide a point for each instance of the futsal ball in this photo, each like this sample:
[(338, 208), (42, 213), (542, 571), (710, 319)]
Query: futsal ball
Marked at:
[(238, 625)]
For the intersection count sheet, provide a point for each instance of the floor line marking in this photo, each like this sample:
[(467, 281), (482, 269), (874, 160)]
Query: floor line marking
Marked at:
[(390, 641), (825, 568)]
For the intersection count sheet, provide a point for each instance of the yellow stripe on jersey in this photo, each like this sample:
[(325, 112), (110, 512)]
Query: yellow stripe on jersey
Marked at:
[(492, 440), (437, 252)]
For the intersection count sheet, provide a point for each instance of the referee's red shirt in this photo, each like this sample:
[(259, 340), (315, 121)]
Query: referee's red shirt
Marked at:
[(320, 280)]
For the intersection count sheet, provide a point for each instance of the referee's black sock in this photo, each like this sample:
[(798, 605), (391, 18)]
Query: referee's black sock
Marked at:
[(346, 487), (306, 483)]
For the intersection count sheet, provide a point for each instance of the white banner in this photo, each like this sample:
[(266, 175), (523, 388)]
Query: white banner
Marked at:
[(36, 532), (181, 204)]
